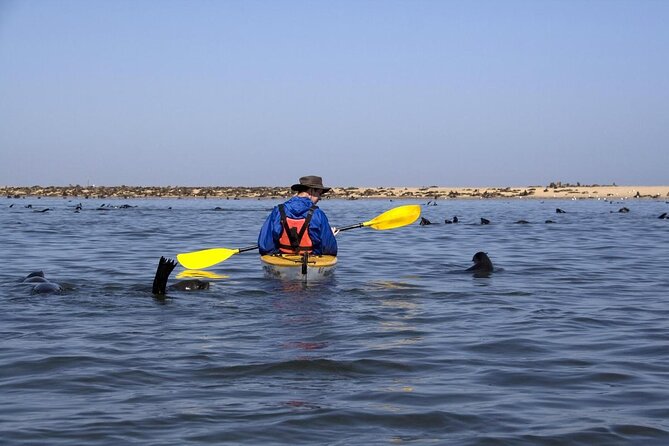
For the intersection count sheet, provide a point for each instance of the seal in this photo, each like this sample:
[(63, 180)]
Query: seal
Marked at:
[(41, 285), (165, 268), (35, 277), (424, 221), (560, 211), (663, 216), (485, 221), (482, 263)]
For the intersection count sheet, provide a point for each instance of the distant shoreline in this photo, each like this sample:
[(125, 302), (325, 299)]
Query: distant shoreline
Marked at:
[(557, 191)]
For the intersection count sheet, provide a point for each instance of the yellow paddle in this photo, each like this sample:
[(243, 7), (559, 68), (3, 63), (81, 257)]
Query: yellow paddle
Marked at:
[(209, 257), (394, 218)]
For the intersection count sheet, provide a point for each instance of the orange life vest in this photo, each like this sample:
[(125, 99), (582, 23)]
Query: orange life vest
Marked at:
[(294, 238)]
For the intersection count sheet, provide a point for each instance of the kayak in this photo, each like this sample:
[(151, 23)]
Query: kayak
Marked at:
[(297, 267)]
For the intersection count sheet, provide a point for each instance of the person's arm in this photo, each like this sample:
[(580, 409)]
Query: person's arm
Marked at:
[(266, 240), (328, 240)]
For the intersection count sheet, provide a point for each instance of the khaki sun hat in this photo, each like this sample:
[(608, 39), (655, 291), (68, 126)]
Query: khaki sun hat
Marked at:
[(310, 182)]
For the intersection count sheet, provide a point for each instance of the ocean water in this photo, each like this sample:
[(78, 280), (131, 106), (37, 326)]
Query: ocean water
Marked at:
[(567, 343)]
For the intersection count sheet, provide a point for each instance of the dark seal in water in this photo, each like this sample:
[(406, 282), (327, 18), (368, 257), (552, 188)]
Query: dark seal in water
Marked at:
[(165, 268), (41, 285), (482, 263)]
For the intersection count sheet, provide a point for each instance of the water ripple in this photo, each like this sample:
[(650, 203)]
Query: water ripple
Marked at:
[(564, 344)]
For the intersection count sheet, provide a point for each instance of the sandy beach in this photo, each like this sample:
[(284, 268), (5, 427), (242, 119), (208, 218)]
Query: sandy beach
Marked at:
[(558, 191)]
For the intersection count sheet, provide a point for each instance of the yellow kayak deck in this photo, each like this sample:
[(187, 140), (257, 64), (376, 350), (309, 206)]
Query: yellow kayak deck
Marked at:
[(295, 260)]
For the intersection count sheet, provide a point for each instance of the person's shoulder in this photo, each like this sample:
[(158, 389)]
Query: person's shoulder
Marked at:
[(320, 213)]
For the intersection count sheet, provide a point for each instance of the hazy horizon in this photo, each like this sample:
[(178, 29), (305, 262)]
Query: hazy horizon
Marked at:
[(363, 93)]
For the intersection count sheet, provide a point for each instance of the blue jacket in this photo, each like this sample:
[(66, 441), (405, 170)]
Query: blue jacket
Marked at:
[(297, 207)]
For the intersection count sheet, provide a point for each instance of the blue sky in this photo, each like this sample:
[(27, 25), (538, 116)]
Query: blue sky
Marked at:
[(364, 93)]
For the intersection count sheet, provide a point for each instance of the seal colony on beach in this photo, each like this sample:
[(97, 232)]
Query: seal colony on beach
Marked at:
[(554, 190)]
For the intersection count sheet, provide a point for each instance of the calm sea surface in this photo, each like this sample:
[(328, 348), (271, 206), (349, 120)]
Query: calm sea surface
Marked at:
[(567, 344)]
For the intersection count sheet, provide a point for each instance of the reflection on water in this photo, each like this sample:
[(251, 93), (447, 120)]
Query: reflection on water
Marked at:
[(200, 274)]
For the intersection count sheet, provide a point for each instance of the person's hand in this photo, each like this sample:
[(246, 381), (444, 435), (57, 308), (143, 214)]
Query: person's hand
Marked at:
[(335, 231)]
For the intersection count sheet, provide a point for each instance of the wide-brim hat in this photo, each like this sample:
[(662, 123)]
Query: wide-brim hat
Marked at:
[(310, 182)]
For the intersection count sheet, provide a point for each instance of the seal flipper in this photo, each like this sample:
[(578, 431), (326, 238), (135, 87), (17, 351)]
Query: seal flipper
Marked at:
[(165, 268), (37, 276), (36, 273)]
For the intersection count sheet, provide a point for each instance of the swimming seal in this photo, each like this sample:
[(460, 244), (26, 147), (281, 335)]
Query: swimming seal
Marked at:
[(35, 277), (424, 221), (482, 263), (560, 211), (165, 268), (663, 216), (485, 221), (40, 284)]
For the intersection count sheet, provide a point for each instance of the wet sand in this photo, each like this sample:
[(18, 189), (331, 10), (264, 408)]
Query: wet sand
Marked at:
[(560, 191)]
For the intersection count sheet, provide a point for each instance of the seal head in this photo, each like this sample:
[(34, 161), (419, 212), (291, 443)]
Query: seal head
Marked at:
[(482, 263)]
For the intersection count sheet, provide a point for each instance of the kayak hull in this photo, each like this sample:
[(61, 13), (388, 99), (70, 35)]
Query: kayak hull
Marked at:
[(295, 267)]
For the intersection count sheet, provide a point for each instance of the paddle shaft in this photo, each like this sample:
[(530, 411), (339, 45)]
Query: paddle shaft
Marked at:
[(254, 247), (346, 228), (393, 218)]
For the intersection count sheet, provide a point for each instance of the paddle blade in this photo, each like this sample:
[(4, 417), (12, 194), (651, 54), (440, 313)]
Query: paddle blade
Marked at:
[(395, 218), (205, 258)]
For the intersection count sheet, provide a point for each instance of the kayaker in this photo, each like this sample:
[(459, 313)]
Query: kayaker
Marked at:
[(284, 229)]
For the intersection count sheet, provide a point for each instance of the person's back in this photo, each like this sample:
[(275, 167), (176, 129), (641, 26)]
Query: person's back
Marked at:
[(284, 231)]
